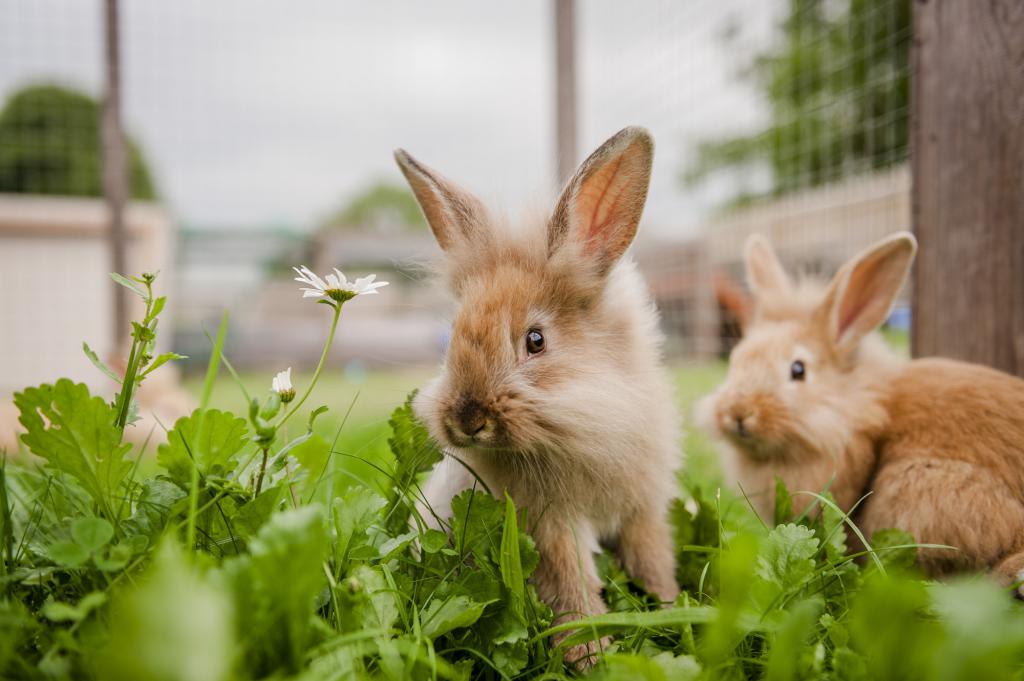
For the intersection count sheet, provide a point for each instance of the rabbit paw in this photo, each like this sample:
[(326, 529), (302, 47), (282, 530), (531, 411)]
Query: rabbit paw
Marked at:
[(586, 655)]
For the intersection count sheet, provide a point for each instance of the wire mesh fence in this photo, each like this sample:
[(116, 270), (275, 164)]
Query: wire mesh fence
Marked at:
[(260, 134), (786, 118)]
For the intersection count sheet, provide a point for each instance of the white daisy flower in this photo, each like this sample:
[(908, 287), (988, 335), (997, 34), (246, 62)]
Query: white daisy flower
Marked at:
[(282, 385), (336, 286)]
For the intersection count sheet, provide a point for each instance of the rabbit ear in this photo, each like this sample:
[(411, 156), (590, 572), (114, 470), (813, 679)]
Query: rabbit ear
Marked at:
[(453, 214), (599, 210), (862, 293), (765, 274)]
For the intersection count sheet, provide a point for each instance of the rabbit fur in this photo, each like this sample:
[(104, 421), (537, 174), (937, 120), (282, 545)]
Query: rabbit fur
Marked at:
[(938, 443), (583, 434)]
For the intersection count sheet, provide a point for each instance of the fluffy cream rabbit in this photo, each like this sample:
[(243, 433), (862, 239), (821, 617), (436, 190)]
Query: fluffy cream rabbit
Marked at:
[(815, 397), (552, 387)]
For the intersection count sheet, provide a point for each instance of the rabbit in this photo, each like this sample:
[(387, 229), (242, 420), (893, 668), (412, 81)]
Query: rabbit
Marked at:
[(814, 396), (552, 388)]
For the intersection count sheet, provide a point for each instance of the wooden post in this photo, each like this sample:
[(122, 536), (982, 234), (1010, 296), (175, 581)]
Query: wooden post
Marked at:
[(115, 178), (565, 88), (968, 187)]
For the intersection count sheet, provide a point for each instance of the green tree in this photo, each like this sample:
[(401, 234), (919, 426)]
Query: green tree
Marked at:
[(380, 207), (837, 87), (50, 144)]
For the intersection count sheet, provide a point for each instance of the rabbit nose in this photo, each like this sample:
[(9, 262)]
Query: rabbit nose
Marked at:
[(741, 420), (741, 429), (470, 416)]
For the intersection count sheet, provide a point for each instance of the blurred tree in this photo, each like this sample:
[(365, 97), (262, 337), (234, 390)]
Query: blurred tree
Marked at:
[(382, 207), (50, 144), (837, 86)]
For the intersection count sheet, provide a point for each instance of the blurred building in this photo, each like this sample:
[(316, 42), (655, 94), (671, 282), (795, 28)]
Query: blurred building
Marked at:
[(55, 294), (249, 273), (699, 284)]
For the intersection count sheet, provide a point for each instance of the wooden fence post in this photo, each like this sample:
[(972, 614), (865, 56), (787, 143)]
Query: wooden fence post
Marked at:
[(968, 187), (565, 89), (115, 174)]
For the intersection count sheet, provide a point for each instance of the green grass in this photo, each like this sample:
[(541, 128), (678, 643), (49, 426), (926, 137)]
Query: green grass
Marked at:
[(372, 396), (360, 440), (188, 570)]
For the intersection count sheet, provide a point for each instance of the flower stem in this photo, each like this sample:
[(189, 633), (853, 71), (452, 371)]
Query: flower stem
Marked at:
[(263, 470), (131, 371), (319, 367)]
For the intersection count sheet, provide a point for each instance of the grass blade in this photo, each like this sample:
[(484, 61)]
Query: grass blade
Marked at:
[(633, 620), (214, 364)]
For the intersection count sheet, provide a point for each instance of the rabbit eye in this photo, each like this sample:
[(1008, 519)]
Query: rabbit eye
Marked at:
[(797, 370), (534, 341)]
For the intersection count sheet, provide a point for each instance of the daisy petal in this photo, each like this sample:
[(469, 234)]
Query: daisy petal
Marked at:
[(312, 278)]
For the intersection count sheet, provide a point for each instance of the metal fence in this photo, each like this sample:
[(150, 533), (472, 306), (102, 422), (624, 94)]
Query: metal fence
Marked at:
[(258, 124), (787, 118)]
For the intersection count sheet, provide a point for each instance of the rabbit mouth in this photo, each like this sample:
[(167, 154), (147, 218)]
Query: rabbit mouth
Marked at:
[(741, 428), (759, 447), (485, 437), (751, 442)]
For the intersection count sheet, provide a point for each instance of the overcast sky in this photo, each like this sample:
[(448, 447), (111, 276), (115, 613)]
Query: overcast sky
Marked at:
[(259, 113)]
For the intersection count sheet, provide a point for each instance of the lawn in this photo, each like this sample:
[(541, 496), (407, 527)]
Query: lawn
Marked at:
[(355, 424), (204, 564), (360, 403)]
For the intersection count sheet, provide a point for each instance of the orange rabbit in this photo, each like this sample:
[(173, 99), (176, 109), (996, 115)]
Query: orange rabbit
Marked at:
[(814, 396)]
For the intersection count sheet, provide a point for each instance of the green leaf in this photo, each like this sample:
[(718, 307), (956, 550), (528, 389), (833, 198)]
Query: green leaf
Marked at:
[(636, 667), (161, 360), (91, 533), (783, 503), (253, 515), (790, 656), (56, 611), (366, 600), (152, 507), (834, 530), (390, 548), (176, 624), (837, 633), (433, 541), (75, 433), (113, 558), (442, 616), (276, 587), (322, 409), (99, 363), (510, 658), (67, 553), (415, 453), (787, 558), (214, 438), (697, 525), (477, 522), (136, 543), (885, 543), (353, 513), (130, 285), (510, 564), (158, 307)]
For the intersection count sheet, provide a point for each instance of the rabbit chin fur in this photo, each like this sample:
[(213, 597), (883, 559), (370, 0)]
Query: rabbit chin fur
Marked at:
[(590, 433)]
